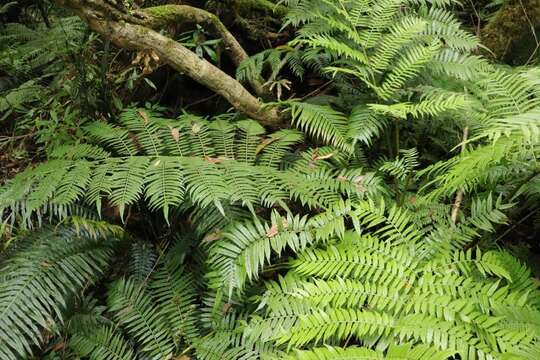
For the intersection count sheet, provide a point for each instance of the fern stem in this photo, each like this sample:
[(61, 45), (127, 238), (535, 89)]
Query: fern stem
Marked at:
[(460, 193), (399, 193)]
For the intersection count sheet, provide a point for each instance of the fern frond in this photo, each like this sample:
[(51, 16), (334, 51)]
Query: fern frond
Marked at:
[(144, 125), (133, 308), (164, 184), (172, 286), (365, 124), (248, 139), (321, 122), (142, 261), (394, 352), (408, 66), (116, 138), (103, 343), (402, 167), (37, 282), (273, 149), (127, 181)]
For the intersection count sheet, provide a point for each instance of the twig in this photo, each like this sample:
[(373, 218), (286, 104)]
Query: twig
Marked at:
[(459, 195), (533, 32), (200, 101), (317, 90), (479, 20), (521, 221)]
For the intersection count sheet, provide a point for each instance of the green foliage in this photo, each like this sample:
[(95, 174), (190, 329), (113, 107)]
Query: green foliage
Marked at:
[(172, 161), (47, 270), (360, 233), (102, 343), (398, 60), (133, 309), (506, 130), (382, 288)]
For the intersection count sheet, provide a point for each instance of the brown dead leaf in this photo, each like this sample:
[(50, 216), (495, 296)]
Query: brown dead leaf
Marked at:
[(358, 179), (341, 178), (195, 128), (175, 133), (212, 160), (59, 346), (264, 144), (226, 307), (358, 182), (148, 61), (273, 231), (154, 56), (212, 236), (177, 300), (137, 58), (144, 116), (181, 357)]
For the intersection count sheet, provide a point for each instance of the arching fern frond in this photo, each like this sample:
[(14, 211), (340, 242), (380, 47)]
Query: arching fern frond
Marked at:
[(39, 279), (170, 162)]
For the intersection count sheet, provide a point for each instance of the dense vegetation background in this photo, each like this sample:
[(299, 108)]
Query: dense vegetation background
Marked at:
[(250, 179)]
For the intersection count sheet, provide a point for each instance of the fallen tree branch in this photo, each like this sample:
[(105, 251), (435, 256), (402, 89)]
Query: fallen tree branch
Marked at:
[(135, 31), (159, 16)]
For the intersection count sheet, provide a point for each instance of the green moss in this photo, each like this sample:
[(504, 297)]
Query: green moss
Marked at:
[(164, 12), (505, 33), (264, 5)]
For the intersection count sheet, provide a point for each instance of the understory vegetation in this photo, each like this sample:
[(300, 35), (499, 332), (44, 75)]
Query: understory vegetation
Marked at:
[(302, 179)]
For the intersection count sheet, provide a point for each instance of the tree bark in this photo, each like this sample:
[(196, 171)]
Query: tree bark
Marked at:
[(134, 31)]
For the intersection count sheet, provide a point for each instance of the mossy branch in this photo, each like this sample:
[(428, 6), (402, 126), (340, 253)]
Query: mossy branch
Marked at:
[(135, 30)]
